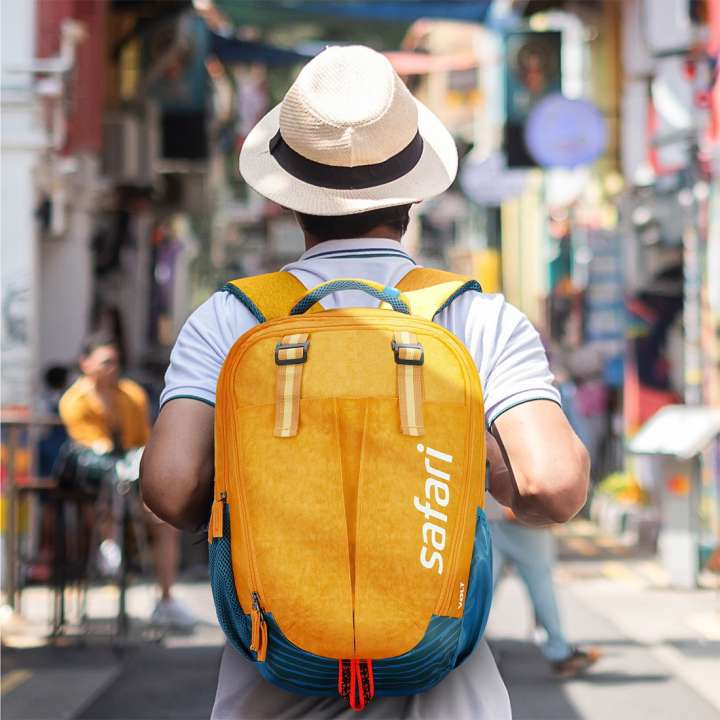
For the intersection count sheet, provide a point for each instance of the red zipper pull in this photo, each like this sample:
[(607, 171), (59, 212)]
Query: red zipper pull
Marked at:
[(215, 526), (356, 698), (370, 677), (344, 675)]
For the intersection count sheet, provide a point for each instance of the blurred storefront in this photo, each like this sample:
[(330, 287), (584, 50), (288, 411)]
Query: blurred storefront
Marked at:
[(123, 207), (611, 257), (669, 161), (107, 163)]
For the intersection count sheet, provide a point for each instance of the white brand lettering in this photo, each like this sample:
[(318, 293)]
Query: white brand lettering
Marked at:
[(437, 490)]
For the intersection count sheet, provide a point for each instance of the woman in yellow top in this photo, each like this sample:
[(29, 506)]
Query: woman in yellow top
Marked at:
[(109, 414)]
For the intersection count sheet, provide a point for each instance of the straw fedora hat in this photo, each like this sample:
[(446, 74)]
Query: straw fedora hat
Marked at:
[(348, 137)]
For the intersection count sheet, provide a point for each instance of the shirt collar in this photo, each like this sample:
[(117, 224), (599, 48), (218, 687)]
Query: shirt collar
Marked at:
[(357, 247)]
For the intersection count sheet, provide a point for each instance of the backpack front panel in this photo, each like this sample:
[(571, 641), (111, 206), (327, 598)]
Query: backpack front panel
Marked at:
[(352, 535)]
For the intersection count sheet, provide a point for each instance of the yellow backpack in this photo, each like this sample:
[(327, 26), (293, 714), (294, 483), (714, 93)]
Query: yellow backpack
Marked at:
[(348, 548)]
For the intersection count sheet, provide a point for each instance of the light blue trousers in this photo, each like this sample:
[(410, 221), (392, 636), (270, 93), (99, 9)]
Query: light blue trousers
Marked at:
[(532, 552)]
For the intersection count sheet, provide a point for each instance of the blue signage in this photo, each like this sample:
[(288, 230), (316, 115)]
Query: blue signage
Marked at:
[(561, 132)]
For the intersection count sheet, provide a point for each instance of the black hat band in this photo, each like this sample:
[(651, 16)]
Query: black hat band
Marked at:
[(346, 178)]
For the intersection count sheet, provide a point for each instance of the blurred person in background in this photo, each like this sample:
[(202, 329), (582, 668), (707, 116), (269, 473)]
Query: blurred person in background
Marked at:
[(49, 446), (579, 372), (55, 381), (533, 553), (106, 417)]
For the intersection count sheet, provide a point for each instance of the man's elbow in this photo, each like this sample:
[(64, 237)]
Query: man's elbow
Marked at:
[(185, 509), (561, 491)]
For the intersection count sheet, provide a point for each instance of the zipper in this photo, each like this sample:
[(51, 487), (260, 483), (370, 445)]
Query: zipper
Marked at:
[(217, 516), (259, 635), (259, 632), (217, 511), (263, 330)]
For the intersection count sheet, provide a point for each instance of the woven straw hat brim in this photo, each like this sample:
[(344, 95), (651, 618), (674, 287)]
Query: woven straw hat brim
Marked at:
[(433, 173)]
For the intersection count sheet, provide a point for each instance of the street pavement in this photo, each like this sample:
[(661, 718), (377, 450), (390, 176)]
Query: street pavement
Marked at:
[(661, 650)]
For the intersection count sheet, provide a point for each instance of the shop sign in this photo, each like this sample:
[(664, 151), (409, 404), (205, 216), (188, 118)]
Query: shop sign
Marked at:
[(562, 132), (533, 70)]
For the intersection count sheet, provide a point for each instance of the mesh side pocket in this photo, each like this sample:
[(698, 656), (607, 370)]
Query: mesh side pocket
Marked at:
[(480, 589), (234, 622)]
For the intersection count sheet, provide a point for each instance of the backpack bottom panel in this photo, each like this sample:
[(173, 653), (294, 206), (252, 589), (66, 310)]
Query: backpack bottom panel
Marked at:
[(445, 644)]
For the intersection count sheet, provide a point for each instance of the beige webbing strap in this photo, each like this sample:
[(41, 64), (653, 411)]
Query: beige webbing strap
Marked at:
[(290, 356), (409, 356)]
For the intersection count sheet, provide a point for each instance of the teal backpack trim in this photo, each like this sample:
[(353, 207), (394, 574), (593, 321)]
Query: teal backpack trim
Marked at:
[(245, 300), (470, 285)]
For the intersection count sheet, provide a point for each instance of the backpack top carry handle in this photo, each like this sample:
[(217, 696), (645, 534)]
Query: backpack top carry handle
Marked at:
[(390, 295), (274, 295)]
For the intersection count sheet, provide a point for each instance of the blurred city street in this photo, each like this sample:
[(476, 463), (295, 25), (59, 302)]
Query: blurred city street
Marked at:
[(535, 181), (660, 651)]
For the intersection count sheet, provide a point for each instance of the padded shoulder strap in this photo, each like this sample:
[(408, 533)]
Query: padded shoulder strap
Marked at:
[(430, 291), (269, 296)]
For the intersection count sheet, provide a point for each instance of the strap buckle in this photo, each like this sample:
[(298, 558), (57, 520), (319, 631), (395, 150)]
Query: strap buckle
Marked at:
[(282, 347), (413, 347)]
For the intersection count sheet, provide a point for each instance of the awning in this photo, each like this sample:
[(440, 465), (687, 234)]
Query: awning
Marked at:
[(230, 50), (276, 12), (234, 50), (407, 11)]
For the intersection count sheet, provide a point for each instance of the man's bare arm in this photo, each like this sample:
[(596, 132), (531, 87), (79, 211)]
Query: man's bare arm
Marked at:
[(539, 467), (178, 464)]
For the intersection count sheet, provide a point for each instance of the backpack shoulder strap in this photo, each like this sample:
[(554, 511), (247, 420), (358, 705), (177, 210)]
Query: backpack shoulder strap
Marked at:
[(269, 296), (430, 291)]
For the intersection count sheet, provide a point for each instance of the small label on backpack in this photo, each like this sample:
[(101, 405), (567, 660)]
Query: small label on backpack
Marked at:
[(461, 596)]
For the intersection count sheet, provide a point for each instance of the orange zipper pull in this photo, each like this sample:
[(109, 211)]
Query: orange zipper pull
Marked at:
[(263, 647), (215, 527), (259, 635)]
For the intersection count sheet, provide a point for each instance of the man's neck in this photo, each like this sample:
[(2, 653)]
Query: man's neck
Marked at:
[(383, 231)]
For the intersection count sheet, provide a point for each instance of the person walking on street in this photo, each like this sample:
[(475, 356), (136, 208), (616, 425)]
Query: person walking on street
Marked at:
[(349, 150), (532, 551)]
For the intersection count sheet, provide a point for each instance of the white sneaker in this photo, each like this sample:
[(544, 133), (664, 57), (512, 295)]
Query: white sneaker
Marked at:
[(172, 614), (109, 558)]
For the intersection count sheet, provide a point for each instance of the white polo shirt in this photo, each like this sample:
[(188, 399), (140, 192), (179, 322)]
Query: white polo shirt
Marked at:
[(506, 348), (513, 369)]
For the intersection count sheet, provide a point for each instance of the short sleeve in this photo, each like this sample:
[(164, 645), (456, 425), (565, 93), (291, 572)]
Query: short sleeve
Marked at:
[(201, 347), (507, 350), (69, 408), (73, 413)]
